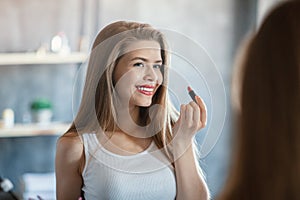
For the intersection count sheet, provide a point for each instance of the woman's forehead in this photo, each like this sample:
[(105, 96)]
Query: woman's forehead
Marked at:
[(147, 50), (143, 44)]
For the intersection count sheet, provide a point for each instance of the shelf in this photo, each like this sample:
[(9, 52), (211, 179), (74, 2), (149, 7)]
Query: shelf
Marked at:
[(48, 58), (25, 130)]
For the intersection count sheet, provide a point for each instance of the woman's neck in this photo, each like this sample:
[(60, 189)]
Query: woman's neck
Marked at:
[(128, 118)]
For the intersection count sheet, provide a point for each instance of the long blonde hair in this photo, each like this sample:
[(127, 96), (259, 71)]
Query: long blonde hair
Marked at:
[(266, 161), (97, 109)]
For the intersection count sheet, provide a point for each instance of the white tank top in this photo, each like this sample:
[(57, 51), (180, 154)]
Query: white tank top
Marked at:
[(143, 176)]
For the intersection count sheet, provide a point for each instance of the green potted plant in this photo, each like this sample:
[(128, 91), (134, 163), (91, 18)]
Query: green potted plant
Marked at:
[(41, 111)]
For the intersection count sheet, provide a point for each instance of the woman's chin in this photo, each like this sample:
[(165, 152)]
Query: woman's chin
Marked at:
[(144, 103), (141, 101)]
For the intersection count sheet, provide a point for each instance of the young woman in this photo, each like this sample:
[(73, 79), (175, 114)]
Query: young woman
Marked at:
[(127, 141), (266, 161)]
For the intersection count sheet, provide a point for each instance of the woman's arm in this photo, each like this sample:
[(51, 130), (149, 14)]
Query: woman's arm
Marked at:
[(68, 167), (190, 182)]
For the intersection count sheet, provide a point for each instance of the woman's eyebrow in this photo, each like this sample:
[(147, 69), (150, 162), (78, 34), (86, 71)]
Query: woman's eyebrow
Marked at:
[(145, 59)]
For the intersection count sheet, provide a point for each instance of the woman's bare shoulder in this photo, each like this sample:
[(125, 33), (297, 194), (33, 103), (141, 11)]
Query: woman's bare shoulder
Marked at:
[(70, 145), (69, 165)]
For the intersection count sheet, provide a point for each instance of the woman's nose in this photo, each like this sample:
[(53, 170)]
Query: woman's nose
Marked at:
[(150, 73)]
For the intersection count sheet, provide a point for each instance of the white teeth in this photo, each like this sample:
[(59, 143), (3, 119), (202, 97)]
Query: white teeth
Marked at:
[(145, 89)]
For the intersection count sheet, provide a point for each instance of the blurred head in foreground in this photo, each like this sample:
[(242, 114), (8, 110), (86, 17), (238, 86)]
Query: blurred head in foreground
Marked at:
[(266, 154)]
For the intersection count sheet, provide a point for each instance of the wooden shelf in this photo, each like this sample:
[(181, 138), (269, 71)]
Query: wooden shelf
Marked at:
[(25, 130), (48, 58)]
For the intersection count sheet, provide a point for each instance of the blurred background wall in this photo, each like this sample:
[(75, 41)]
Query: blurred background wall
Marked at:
[(26, 26), (219, 26)]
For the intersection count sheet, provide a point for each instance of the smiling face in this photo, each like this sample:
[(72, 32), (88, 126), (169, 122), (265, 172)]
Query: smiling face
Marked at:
[(138, 75)]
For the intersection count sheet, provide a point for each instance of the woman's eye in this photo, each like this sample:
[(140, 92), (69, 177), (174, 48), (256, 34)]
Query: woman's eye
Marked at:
[(138, 64), (157, 66)]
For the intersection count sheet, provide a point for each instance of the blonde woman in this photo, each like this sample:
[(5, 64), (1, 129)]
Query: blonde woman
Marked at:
[(127, 141)]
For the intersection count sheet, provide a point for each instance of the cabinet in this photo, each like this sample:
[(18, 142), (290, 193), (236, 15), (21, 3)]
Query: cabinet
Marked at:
[(8, 59)]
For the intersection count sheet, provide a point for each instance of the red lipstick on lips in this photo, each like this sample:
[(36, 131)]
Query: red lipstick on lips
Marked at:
[(146, 89)]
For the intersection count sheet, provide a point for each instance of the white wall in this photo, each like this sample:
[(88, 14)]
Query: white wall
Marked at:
[(209, 23)]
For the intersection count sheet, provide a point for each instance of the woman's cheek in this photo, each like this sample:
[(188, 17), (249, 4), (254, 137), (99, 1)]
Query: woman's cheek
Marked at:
[(160, 78)]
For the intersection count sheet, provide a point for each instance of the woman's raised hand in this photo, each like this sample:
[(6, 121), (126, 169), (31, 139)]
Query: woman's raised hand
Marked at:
[(193, 117)]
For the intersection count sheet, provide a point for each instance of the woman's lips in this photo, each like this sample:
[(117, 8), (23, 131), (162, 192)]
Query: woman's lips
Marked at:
[(146, 89)]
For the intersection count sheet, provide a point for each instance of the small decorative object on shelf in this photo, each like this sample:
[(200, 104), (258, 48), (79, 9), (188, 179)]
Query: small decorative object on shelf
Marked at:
[(8, 117), (60, 44), (41, 111)]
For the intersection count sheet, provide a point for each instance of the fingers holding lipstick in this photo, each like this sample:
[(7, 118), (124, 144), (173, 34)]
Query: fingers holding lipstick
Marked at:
[(190, 117), (196, 115), (203, 111)]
